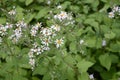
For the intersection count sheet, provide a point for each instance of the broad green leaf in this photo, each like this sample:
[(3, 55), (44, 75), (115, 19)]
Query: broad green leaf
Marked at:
[(29, 17), (84, 65), (114, 58), (92, 23), (110, 35), (91, 42), (114, 47), (18, 77), (47, 76), (83, 76), (70, 74), (73, 47), (40, 70), (27, 2), (24, 61), (105, 61), (65, 4), (107, 75), (74, 8), (42, 13), (69, 60)]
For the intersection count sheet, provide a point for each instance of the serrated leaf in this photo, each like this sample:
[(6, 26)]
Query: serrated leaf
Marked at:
[(27, 2), (84, 65), (105, 61)]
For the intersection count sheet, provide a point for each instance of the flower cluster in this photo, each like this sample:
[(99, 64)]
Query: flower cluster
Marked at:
[(35, 29), (18, 31), (114, 12), (36, 50), (64, 16), (47, 36), (12, 12), (3, 30)]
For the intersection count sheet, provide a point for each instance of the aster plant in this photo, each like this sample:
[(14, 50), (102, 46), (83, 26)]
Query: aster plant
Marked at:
[(59, 40)]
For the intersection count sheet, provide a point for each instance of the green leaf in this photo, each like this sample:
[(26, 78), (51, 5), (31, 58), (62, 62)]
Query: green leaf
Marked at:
[(91, 42), (47, 76), (84, 65), (114, 47), (40, 70), (70, 74), (69, 60), (29, 17), (110, 35), (83, 76), (88, 1), (65, 4), (105, 61), (73, 47), (2, 20), (92, 23), (95, 4), (42, 13), (114, 58), (28, 2)]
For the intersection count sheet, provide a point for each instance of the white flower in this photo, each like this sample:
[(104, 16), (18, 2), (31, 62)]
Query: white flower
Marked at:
[(104, 43), (56, 27), (91, 76), (33, 32), (63, 15), (48, 2), (30, 54), (12, 12), (59, 7), (32, 63), (17, 35), (34, 29), (18, 32), (3, 30), (46, 48), (21, 24), (46, 31), (59, 42), (81, 41), (115, 8), (40, 50), (46, 41), (111, 14), (8, 25)]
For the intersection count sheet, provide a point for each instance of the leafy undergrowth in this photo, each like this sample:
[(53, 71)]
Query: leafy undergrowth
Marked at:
[(59, 40)]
